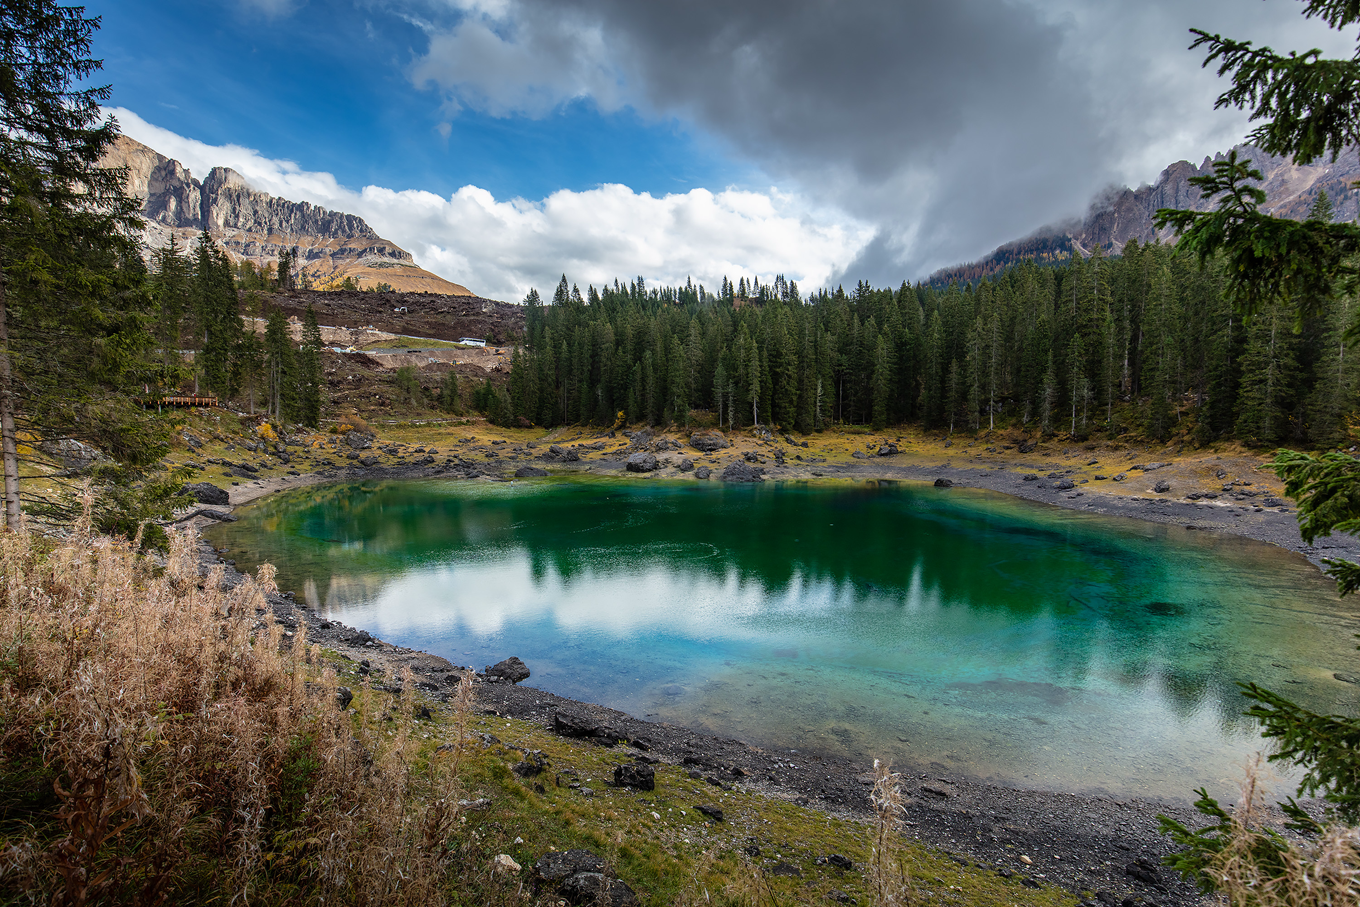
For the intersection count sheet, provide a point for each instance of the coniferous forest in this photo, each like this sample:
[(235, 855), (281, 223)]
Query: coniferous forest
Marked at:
[(1143, 341)]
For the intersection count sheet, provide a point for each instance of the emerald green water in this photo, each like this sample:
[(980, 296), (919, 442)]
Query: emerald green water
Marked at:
[(953, 629)]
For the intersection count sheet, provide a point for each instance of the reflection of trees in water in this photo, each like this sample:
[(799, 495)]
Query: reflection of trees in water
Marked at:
[(1112, 599)]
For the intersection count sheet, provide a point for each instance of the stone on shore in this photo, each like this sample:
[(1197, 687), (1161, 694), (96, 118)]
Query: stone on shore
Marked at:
[(206, 493), (530, 472), (642, 462), (583, 727), (944, 483), (708, 441), (742, 472), (511, 669)]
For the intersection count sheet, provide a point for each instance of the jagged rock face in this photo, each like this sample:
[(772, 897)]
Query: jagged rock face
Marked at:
[(230, 204), (258, 226), (173, 197), (1127, 214)]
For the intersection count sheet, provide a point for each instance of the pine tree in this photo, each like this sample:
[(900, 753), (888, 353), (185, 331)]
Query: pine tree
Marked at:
[(450, 398), (1269, 371), (280, 371), (311, 378)]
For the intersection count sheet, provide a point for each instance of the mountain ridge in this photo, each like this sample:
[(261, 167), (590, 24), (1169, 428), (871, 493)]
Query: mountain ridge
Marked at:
[(255, 226), (1120, 214)]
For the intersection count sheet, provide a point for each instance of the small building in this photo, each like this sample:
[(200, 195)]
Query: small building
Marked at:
[(471, 341)]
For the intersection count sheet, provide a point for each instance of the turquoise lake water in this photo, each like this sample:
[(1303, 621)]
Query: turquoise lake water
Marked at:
[(947, 628)]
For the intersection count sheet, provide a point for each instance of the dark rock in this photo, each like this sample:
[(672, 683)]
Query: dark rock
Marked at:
[(206, 493), (423, 713), (1273, 502), (369, 462), (530, 472), (751, 850), (712, 812), (511, 669), (887, 450), (1346, 678), (708, 441), (558, 866), (840, 897), (840, 862), (642, 462), (1145, 871), (1121, 477), (785, 869), (530, 768), (561, 454), (703, 472), (859, 455), (742, 472), (1064, 485), (1029, 883), (685, 465), (751, 457), (1107, 898), (1162, 487), (635, 775), (595, 888), (358, 440), (568, 724), (1030, 477), (344, 697), (944, 483), (1026, 447)]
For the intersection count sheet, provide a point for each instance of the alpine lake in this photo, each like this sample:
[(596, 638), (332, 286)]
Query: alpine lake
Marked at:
[(945, 629)]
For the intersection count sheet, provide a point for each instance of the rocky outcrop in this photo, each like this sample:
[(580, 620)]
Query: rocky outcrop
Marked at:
[(258, 227)]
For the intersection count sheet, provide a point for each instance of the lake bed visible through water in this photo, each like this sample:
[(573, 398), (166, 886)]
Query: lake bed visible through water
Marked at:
[(949, 629)]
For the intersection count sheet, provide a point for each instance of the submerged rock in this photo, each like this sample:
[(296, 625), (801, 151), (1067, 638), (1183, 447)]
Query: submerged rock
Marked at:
[(944, 483)]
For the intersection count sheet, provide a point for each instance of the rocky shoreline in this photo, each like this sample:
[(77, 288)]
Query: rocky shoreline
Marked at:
[(1086, 843)]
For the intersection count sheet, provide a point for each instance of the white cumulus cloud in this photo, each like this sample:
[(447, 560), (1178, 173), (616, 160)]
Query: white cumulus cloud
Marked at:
[(502, 247)]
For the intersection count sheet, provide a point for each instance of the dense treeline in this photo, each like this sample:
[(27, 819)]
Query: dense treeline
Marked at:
[(1144, 341), (198, 309)]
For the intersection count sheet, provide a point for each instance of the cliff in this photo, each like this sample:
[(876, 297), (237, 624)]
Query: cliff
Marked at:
[(257, 226)]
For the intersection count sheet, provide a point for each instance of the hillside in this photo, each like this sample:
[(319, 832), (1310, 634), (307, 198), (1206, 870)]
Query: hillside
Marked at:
[(256, 226), (1121, 214)]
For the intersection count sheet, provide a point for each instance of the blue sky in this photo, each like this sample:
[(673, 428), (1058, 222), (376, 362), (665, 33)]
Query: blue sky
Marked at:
[(506, 141)]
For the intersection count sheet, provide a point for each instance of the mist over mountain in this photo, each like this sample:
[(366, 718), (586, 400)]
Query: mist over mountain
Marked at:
[(1119, 215)]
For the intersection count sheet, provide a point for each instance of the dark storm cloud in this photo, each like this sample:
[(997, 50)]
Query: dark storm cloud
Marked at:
[(950, 126)]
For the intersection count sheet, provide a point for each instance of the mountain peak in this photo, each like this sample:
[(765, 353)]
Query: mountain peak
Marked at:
[(256, 226)]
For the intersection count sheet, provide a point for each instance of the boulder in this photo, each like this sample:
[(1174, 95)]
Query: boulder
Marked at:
[(712, 812), (369, 462), (530, 472), (595, 888), (74, 456), (1026, 447), (859, 455), (1162, 487), (742, 472), (708, 441), (635, 775), (944, 483), (558, 866), (685, 465), (641, 462), (561, 454), (887, 450), (206, 493), (358, 440), (1064, 484), (511, 669), (703, 472), (583, 727), (1029, 477)]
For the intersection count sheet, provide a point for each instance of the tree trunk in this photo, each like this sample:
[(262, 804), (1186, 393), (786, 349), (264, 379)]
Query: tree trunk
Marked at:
[(8, 442)]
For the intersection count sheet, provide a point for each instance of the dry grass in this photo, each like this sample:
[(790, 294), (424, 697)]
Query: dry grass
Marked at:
[(1324, 872), (162, 742), (887, 868)]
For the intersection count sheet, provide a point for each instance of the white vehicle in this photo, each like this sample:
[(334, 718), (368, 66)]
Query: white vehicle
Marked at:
[(471, 341)]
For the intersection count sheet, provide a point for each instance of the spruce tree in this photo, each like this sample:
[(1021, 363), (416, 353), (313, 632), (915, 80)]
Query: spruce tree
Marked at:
[(311, 378)]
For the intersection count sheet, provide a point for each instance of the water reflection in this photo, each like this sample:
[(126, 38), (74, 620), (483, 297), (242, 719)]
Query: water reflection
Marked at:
[(986, 634)]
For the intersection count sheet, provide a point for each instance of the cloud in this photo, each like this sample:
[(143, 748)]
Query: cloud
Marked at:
[(501, 248), (273, 9), (952, 127)]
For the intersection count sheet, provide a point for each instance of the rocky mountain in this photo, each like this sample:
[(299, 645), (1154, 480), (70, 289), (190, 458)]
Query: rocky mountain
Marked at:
[(1121, 214), (257, 226)]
